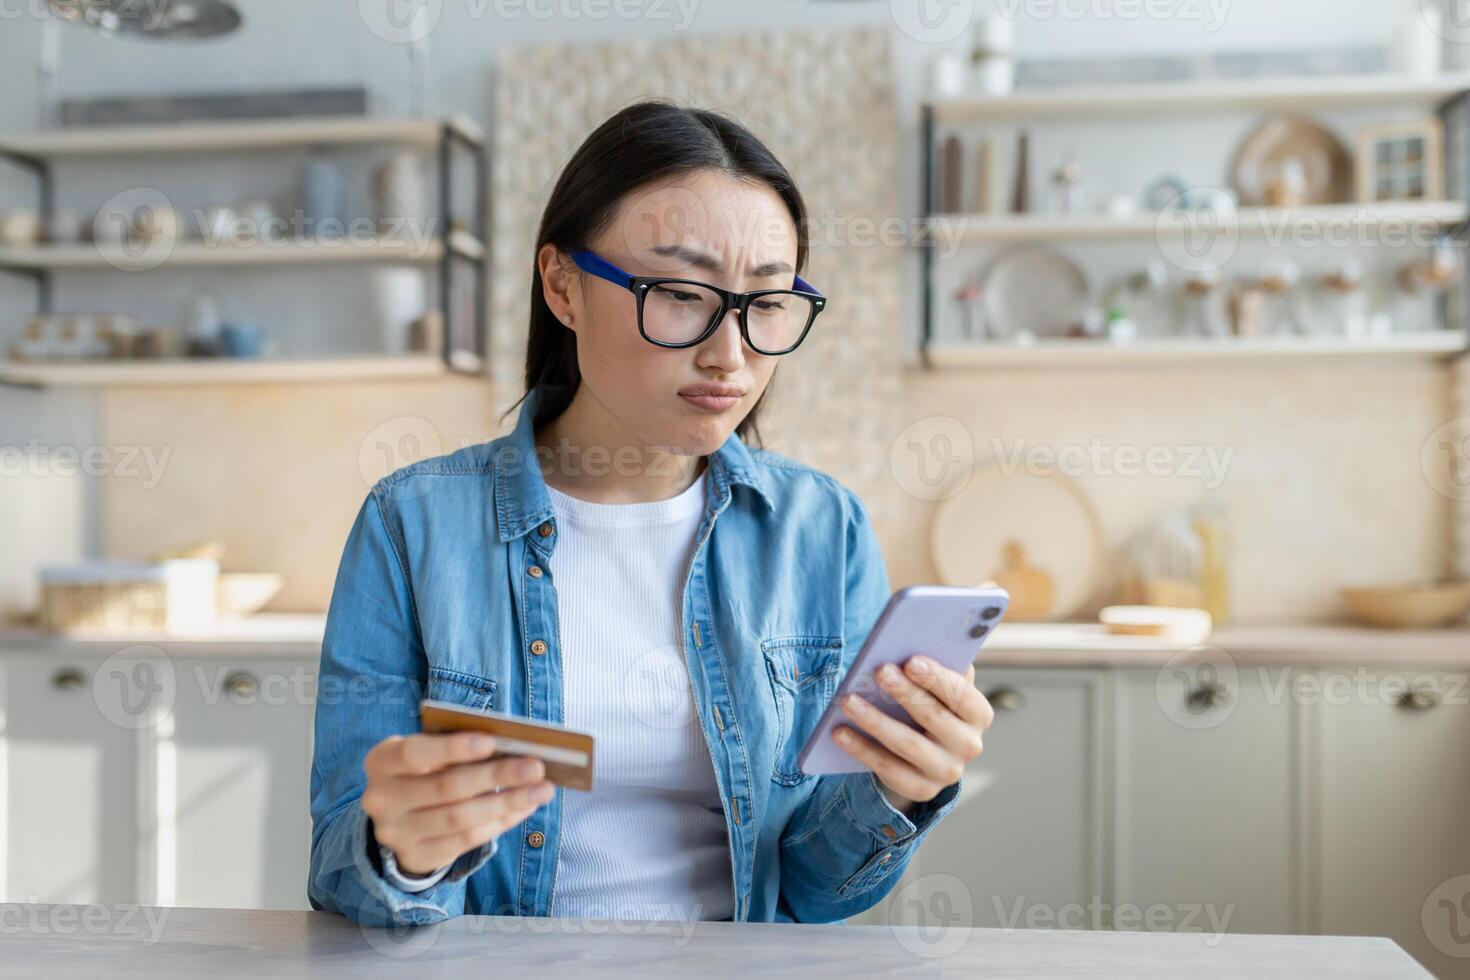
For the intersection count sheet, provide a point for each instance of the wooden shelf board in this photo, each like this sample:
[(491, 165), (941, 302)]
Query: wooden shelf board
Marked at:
[(1297, 94), (197, 253), (255, 134), (181, 371), (1433, 345), (977, 229)]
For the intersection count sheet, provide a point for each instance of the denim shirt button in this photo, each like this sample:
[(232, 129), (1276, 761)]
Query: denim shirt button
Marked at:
[(889, 832), (534, 571), (536, 838), (545, 530), (538, 647)]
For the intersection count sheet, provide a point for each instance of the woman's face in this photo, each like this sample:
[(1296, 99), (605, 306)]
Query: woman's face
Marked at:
[(706, 226)]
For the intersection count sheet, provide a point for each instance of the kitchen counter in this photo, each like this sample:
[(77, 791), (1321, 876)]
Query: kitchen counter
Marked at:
[(1308, 646), (1013, 645), (125, 941)]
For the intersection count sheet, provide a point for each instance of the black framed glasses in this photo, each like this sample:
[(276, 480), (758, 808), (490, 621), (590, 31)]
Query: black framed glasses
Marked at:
[(678, 313)]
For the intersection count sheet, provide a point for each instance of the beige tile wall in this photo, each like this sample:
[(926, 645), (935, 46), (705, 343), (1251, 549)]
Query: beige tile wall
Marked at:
[(274, 472), (1326, 484)]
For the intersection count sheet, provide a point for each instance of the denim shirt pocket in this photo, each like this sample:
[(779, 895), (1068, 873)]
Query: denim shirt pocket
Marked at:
[(457, 687), (804, 671)]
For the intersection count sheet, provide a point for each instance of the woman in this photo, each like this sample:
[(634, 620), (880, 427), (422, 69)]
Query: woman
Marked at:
[(622, 563)]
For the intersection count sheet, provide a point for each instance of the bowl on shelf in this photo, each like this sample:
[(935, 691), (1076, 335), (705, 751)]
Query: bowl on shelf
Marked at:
[(1419, 606), (240, 594)]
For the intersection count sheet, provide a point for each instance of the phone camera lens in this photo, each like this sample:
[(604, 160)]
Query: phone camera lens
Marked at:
[(979, 630), (990, 612)]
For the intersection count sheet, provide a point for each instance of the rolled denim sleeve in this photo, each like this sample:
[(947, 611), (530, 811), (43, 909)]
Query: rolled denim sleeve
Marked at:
[(846, 845), (372, 675), (851, 846)]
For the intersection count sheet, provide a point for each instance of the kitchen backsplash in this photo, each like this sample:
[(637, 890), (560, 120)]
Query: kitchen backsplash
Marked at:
[(1321, 487)]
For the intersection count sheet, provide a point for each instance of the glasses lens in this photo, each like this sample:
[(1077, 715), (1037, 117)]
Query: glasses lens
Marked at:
[(775, 321), (678, 312)]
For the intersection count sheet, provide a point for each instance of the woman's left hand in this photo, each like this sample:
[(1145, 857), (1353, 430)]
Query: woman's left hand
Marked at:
[(915, 765)]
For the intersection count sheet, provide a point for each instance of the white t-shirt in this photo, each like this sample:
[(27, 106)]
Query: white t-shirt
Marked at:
[(650, 841)]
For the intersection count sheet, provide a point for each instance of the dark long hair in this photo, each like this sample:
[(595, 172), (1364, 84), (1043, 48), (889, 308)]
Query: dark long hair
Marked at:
[(643, 143)]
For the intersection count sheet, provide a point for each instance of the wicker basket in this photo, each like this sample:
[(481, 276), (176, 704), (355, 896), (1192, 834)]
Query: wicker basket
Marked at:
[(167, 597)]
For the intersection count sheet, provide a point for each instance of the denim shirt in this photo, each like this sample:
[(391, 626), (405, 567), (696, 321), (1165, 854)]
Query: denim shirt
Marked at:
[(444, 591)]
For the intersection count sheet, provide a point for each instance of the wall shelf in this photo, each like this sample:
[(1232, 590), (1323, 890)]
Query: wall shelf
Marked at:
[(261, 134), (1049, 354), (197, 254), (452, 245), (224, 370), (985, 229), (1409, 224), (1294, 94)]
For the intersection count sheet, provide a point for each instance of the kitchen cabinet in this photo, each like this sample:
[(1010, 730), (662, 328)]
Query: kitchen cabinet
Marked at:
[(70, 808), (1249, 796), (1389, 780), (1206, 791), (176, 778), (1024, 843), (232, 772)]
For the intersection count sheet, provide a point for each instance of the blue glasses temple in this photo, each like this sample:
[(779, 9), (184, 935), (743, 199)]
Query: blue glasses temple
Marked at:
[(590, 262)]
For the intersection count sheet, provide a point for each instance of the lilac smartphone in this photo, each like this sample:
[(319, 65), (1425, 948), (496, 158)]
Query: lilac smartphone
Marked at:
[(946, 624)]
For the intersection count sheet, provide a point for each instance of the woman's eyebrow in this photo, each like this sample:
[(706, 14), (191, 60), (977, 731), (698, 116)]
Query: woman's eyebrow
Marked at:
[(705, 260)]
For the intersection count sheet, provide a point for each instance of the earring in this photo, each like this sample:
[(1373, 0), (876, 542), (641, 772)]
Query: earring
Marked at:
[(566, 318)]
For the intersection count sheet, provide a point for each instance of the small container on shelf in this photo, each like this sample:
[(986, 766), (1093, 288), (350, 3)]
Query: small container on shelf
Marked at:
[(107, 596), (972, 312)]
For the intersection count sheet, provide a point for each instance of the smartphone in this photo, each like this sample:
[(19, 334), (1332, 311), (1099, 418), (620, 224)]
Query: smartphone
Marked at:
[(948, 625)]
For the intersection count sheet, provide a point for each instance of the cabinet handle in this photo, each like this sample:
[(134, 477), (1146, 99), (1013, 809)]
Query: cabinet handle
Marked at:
[(67, 679), (1006, 699), (1207, 695), (241, 685), (1420, 697)]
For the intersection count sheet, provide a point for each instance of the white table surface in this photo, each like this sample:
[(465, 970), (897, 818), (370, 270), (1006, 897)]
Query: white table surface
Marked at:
[(64, 941)]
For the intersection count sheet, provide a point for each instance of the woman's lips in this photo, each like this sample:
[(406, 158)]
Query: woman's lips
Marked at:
[(712, 403)]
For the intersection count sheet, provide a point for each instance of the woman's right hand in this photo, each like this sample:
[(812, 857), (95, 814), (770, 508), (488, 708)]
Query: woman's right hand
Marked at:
[(432, 797)]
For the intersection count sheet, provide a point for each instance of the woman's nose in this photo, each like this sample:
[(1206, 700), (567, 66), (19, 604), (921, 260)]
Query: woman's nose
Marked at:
[(726, 345)]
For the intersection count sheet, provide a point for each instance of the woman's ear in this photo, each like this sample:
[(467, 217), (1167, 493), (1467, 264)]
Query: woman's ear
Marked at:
[(557, 283)]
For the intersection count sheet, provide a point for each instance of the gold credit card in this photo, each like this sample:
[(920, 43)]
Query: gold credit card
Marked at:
[(566, 754)]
